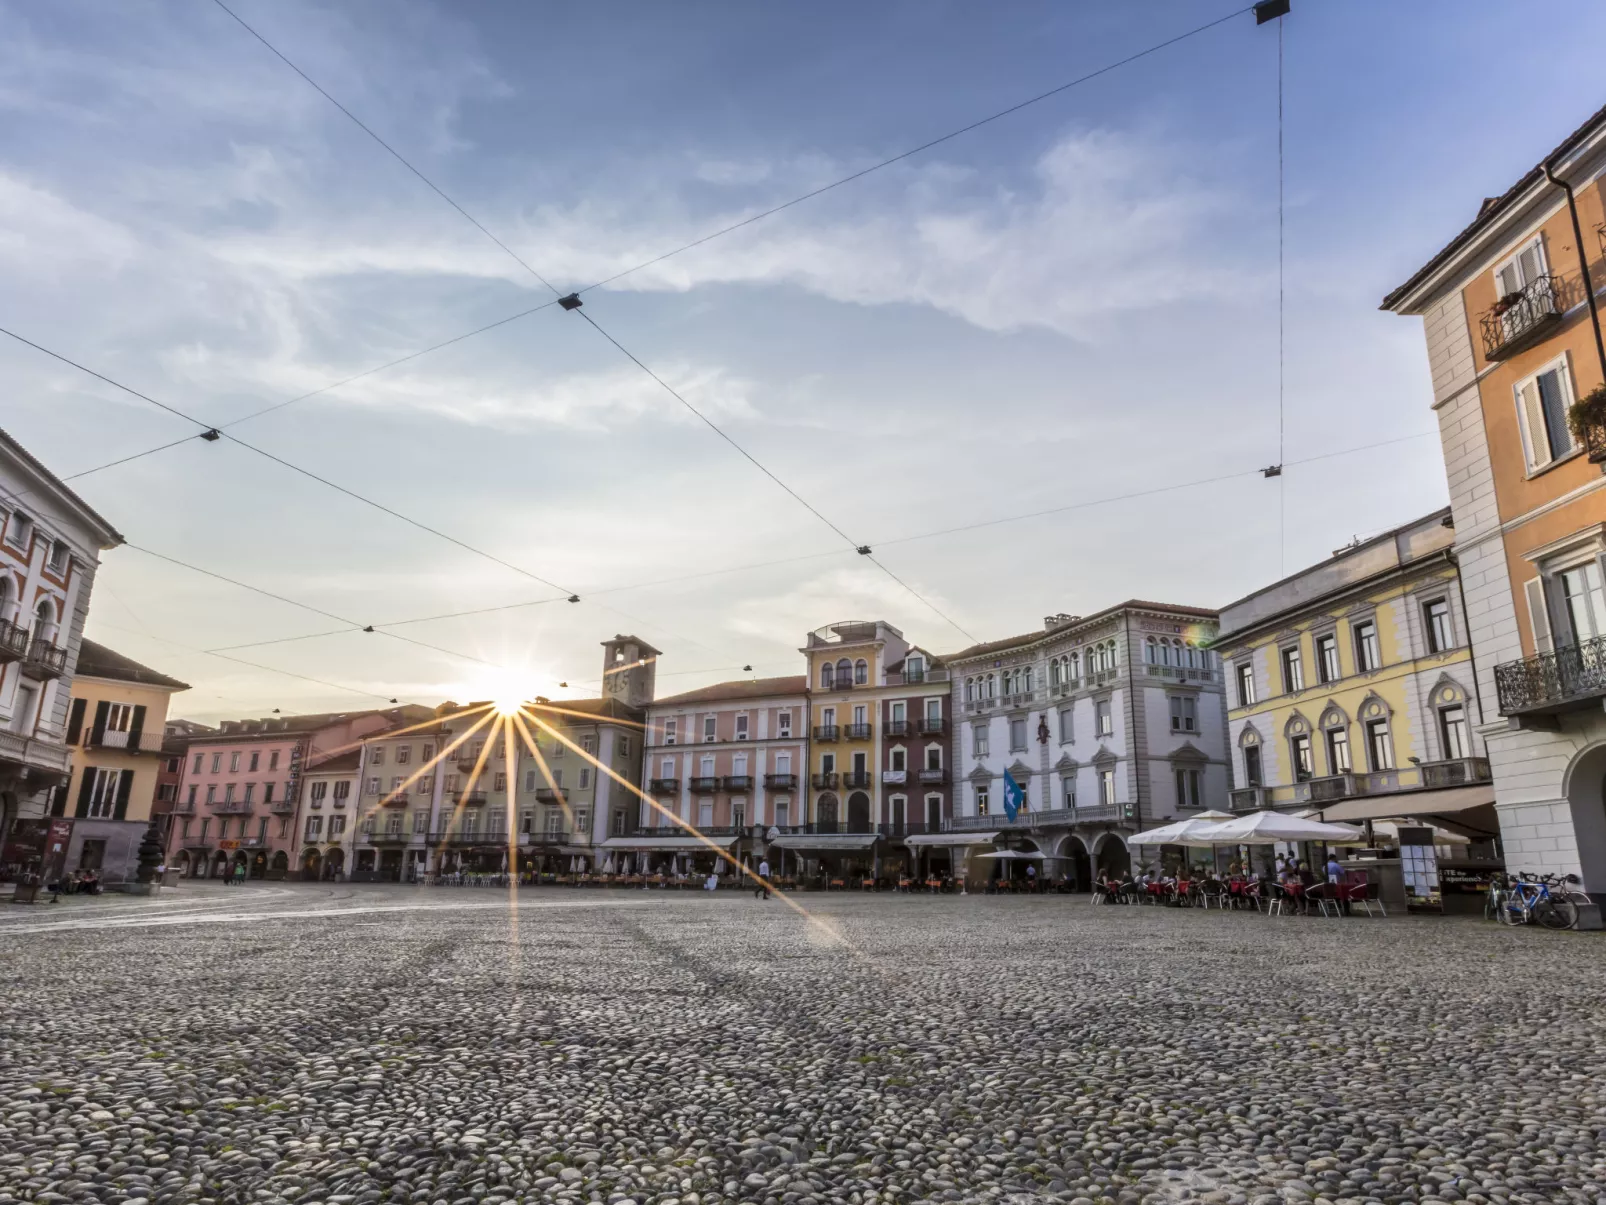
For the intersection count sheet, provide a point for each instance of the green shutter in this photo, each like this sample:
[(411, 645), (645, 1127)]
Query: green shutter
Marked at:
[(86, 788), (75, 721), (98, 732), (125, 788)]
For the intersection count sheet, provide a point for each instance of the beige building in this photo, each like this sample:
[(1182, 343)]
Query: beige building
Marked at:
[(115, 729)]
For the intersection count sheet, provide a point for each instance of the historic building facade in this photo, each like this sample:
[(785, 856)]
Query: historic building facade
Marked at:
[(1351, 687), (1514, 341), (1109, 723), (50, 546), (115, 729)]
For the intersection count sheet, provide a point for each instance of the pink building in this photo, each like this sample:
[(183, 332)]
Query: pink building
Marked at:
[(240, 796)]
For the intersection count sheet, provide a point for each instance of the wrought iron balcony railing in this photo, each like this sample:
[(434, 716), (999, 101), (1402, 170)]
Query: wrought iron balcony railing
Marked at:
[(858, 732), (897, 728), (44, 660), (548, 795), (468, 799), (856, 778), (663, 786), (931, 725), (1519, 320), (738, 782), (1455, 773), (13, 641), (933, 777), (705, 783), (824, 782), (1568, 678), (826, 732), (780, 782)]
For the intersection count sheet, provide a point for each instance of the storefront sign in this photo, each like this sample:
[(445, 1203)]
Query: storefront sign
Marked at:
[(37, 847), (1467, 880)]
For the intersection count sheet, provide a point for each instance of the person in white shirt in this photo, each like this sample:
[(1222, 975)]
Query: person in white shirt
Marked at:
[(762, 891)]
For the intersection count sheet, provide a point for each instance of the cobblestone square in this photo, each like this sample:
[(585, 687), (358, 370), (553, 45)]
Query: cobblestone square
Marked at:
[(306, 1044)]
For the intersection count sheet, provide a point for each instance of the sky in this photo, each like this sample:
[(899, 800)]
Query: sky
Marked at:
[(1073, 309)]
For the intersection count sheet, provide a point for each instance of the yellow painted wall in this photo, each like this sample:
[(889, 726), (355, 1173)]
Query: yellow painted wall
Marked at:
[(146, 766)]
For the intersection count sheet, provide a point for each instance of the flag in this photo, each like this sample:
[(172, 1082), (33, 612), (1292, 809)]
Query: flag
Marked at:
[(1014, 797)]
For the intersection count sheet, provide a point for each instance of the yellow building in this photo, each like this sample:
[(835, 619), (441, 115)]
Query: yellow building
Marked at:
[(1351, 687), (115, 729)]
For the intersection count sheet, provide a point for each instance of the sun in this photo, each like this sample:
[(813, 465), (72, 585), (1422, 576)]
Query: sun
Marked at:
[(508, 705)]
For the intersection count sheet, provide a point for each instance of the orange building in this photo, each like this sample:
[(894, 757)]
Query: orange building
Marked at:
[(1514, 342)]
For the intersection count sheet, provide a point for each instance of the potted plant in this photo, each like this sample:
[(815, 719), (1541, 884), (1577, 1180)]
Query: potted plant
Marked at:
[(1586, 418)]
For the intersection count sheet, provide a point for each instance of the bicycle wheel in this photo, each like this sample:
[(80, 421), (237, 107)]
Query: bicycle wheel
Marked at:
[(1556, 913)]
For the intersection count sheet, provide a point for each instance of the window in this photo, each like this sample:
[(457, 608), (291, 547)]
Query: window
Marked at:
[(1367, 657), (978, 736), (206, 823), (373, 787), (404, 754), (1067, 731), (933, 757), (211, 792), (59, 556), (934, 711), (427, 752), (342, 790), (1293, 671), (1453, 730), (828, 716), (1327, 669), (420, 822), (250, 790), (1338, 761), (234, 763), (1436, 622), (709, 723), (1107, 787), (19, 530), (1252, 772), (1184, 716), (1379, 745), (671, 727), (741, 727), (1188, 795), (1542, 402), (256, 760), (1103, 722), (983, 801), (588, 744), (337, 825), (582, 820), (1299, 745), (828, 763), (1017, 735), (1246, 684), (705, 813), (585, 777), (1583, 604), (498, 782), (899, 712), (827, 676), (396, 783), (860, 765), (199, 757), (102, 802), (914, 669), (314, 828), (899, 761), (1068, 787), (192, 794), (228, 793), (217, 762), (861, 672), (783, 723), (861, 714), (273, 760)]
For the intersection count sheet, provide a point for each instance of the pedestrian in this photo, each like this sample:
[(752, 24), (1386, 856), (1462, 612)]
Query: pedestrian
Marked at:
[(712, 883), (762, 891), (1031, 878), (239, 874)]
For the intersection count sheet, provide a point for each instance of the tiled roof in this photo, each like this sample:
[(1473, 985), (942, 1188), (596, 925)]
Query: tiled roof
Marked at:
[(300, 725), (1131, 604), (1492, 208), (349, 760), (98, 661), (756, 688), (111, 539)]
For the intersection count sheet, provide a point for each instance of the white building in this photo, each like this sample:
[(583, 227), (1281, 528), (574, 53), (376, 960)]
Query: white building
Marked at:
[(1110, 723), (50, 546)]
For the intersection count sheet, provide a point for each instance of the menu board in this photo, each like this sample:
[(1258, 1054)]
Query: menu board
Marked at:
[(1419, 866)]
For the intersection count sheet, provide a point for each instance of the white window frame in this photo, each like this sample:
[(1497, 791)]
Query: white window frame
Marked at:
[(1561, 366), (1536, 243)]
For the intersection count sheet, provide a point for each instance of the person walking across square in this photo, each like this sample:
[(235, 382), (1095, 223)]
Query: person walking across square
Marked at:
[(762, 891)]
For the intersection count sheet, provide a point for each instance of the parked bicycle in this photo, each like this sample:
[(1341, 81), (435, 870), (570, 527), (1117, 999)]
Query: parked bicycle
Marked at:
[(1550, 900)]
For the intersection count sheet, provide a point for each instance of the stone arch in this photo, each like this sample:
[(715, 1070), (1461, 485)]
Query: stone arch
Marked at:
[(220, 863), (1374, 707), (1584, 785), (1297, 724), (1111, 858), (334, 863), (1332, 717), (1446, 692), (181, 864), (826, 810), (311, 864), (858, 812)]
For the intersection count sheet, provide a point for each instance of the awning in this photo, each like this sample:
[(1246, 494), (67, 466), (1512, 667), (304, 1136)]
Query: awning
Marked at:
[(650, 843), (1468, 810), (825, 842), (949, 839)]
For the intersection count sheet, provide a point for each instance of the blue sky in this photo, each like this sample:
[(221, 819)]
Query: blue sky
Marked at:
[(1073, 303)]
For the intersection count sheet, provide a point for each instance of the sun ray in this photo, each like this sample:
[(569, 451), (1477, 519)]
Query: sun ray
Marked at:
[(546, 770), (584, 715), (433, 721), (434, 761), (691, 829), (510, 753), (468, 787)]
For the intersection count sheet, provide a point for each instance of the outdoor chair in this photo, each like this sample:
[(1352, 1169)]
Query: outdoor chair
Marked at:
[(1213, 893), (1365, 895), (1325, 898)]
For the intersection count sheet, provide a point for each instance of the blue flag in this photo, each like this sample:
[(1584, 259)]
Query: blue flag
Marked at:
[(1014, 797)]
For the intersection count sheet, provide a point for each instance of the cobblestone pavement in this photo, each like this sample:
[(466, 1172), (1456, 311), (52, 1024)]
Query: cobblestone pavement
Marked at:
[(357, 1044)]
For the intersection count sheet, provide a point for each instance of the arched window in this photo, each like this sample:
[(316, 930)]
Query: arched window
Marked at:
[(1149, 652), (8, 598), (844, 672), (861, 671), (992, 687), (1075, 663), (44, 627), (1054, 672), (970, 690), (827, 676), (1028, 676)]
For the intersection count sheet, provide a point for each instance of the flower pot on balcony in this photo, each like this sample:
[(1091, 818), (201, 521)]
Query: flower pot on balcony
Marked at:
[(1587, 419)]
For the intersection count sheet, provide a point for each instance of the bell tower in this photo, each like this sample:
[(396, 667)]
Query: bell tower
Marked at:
[(629, 670)]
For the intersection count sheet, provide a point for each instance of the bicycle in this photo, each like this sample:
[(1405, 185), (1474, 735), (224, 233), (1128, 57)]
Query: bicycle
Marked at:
[(1529, 898)]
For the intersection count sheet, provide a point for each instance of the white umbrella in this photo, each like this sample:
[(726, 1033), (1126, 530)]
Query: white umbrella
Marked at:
[(1012, 855), (1182, 832), (1269, 828)]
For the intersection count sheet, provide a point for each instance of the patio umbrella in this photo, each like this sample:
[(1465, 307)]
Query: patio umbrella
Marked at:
[(1013, 854), (1182, 832), (1270, 828)]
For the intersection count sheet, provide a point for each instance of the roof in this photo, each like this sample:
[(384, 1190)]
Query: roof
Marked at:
[(98, 661), (756, 688), (339, 763), (110, 537), (1492, 208), (302, 725), (1131, 604)]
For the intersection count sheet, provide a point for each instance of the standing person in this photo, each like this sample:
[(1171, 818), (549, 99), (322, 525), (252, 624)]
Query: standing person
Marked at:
[(1031, 877), (762, 891)]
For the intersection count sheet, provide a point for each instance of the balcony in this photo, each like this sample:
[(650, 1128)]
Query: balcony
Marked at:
[(932, 725), (933, 777), (231, 807), (146, 742), (1567, 679), (13, 641), (1519, 320), (44, 661), (780, 782), (856, 778), (705, 783), (738, 782), (396, 799), (182, 807), (389, 836), (1098, 813), (282, 807), (466, 762), (824, 782), (858, 732), (484, 836), (826, 732), (1181, 673), (897, 728), (1327, 789), (468, 799), (1455, 773), (548, 795), (663, 786), (894, 778), (1248, 799)]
